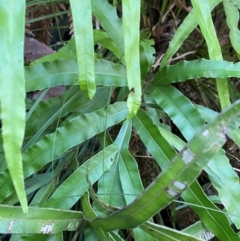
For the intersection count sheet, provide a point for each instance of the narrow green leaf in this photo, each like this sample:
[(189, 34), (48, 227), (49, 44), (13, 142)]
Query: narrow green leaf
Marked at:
[(129, 174), (91, 234), (130, 177), (185, 70), (124, 135), (65, 72), (103, 38), (43, 194), (76, 184), (12, 95), (34, 184), (87, 209), (222, 175), (203, 15), (112, 24), (152, 139), (179, 108), (198, 229), (127, 167), (216, 220), (232, 19), (204, 18), (46, 113), (187, 26), (208, 115), (188, 120), (68, 51), (52, 109), (182, 171), (109, 187), (38, 220), (192, 121), (71, 134), (173, 139), (89, 213), (116, 236), (131, 23), (164, 233), (142, 235), (146, 56), (83, 32), (226, 182), (162, 152)]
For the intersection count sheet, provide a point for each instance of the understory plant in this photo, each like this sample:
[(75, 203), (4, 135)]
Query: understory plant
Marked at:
[(72, 167)]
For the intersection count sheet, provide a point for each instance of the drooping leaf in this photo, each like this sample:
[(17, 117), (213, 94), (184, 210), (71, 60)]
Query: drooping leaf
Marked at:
[(12, 94), (131, 22), (82, 24)]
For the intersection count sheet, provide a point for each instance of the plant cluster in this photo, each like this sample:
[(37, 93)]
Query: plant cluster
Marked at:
[(123, 143)]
